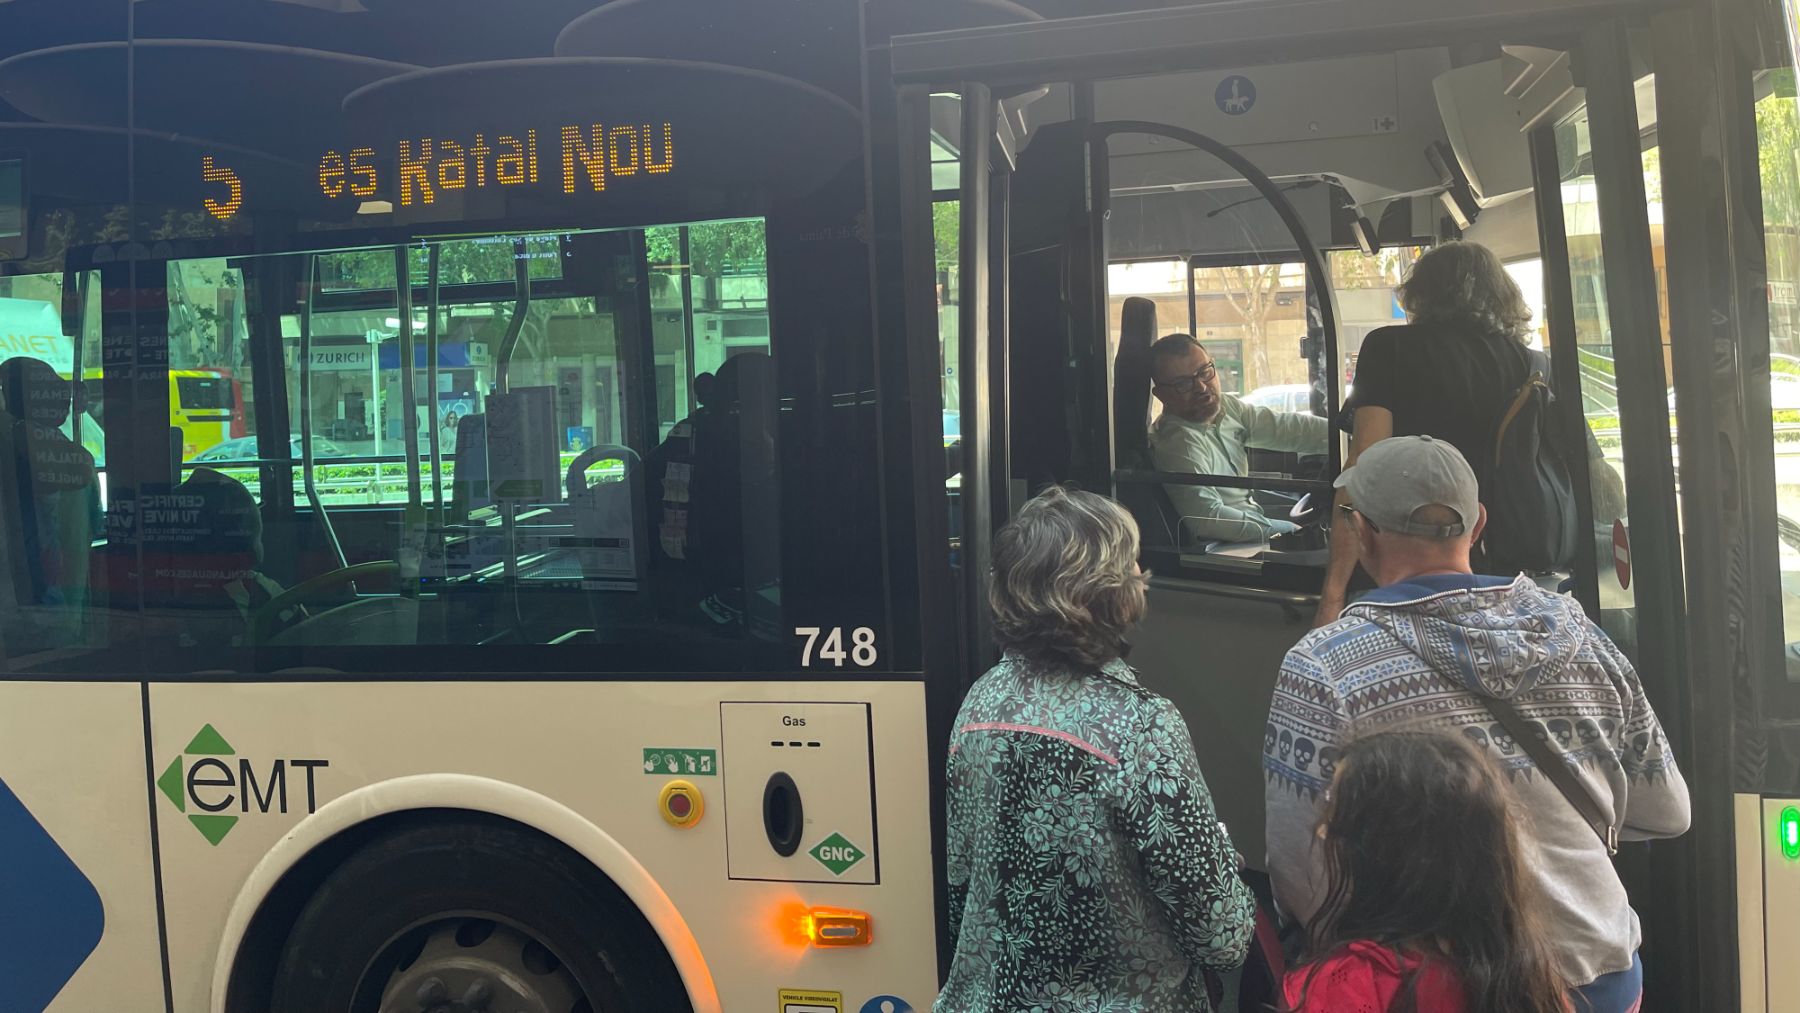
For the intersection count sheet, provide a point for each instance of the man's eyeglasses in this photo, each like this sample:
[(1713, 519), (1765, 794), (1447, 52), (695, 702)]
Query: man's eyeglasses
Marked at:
[(1348, 509), (1186, 384)]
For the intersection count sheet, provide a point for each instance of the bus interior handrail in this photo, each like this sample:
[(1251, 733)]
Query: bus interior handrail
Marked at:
[(1285, 599), (306, 428), (432, 279), (516, 325), (1125, 476)]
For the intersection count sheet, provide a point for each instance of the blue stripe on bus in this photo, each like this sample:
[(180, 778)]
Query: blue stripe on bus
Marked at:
[(53, 918)]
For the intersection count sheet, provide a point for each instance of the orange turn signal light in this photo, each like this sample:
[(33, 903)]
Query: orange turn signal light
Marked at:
[(827, 926)]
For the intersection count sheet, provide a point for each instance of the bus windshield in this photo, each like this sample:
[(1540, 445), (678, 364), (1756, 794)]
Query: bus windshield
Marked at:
[(398, 407)]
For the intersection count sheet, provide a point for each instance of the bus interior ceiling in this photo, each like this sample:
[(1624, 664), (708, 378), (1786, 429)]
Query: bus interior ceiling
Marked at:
[(1407, 148)]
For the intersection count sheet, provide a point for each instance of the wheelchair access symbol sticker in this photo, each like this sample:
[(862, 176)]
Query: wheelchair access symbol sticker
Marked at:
[(886, 1004)]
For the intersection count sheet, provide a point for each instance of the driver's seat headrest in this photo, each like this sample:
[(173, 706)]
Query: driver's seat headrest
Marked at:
[(1132, 378)]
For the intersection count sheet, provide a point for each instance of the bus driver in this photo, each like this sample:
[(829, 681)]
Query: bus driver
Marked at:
[(1204, 431)]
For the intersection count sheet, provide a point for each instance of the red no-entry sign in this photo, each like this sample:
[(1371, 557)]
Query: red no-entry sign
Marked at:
[(1622, 553)]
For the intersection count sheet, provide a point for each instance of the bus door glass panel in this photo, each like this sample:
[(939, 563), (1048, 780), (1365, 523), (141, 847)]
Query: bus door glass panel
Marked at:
[(946, 233), (1364, 286), (1595, 341), (946, 238), (1216, 405), (1778, 143)]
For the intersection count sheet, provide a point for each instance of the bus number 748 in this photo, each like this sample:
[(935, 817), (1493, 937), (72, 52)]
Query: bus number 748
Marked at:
[(862, 646)]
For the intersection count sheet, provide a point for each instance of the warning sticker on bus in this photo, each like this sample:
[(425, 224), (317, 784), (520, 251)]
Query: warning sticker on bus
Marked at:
[(802, 1000), (681, 761)]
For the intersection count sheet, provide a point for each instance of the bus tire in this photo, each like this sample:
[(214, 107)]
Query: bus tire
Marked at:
[(422, 914)]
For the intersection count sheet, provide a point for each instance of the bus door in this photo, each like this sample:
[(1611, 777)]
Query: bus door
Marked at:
[(1144, 205), (1119, 231), (1596, 169)]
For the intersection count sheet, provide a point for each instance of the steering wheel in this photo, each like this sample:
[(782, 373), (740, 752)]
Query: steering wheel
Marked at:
[(1307, 510), (268, 620)]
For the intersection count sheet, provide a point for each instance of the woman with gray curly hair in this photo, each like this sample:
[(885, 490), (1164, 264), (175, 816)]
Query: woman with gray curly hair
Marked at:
[(1087, 868), (1447, 373)]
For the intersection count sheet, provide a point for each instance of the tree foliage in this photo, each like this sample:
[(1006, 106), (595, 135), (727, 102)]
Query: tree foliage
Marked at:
[(1778, 155), (1352, 269), (946, 229), (1251, 289), (460, 262), (714, 248)]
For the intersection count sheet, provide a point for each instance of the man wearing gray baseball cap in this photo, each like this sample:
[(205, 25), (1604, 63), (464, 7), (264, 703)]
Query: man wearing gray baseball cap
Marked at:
[(1499, 661), (1418, 486)]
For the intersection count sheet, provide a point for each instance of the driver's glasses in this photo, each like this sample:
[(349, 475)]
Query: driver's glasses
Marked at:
[(1187, 384)]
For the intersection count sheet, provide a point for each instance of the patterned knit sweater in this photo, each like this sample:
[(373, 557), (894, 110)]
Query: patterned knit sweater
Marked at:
[(1429, 652)]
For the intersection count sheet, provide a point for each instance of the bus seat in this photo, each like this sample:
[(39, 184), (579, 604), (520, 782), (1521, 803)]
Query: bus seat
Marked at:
[(469, 483), (611, 533), (202, 551), (1132, 378), (53, 491)]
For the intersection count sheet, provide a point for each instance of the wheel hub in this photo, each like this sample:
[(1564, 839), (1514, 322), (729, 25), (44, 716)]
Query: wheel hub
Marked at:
[(472, 965)]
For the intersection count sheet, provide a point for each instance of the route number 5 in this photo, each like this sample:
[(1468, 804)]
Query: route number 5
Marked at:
[(234, 189), (862, 646)]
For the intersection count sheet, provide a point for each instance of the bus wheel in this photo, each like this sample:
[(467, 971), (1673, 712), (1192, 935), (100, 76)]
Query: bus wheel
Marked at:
[(466, 916)]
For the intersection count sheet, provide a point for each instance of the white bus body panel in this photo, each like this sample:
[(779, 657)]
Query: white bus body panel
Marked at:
[(73, 754), (1768, 908), (568, 759)]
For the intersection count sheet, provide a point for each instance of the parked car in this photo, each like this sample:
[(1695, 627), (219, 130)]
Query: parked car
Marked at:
[(244, 449), (1784, 392), (1284, 397)]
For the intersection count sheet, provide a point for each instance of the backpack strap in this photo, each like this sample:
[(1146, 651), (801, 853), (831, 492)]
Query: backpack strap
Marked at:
[(1530, 387), (1557, 771)]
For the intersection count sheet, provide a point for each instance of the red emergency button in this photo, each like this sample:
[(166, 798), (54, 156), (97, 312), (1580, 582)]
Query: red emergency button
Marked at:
[(681, 804)]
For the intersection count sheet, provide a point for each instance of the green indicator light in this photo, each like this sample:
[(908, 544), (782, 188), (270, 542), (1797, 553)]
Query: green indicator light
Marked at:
[(1790, 832)]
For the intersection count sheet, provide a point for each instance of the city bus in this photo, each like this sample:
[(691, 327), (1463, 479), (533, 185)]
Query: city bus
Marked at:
[(577, 621)]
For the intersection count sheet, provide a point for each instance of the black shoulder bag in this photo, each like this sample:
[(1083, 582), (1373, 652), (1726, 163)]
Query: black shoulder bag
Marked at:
[(1553, 767)]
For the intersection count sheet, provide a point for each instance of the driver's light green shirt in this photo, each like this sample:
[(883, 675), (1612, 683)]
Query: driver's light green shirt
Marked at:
[(1222, 447)]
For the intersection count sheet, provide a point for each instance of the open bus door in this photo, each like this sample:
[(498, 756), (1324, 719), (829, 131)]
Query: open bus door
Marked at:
[(1057, 204), (1048, 395)]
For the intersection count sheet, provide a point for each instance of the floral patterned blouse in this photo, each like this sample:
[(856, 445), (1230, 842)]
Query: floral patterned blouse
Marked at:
[(1087, 869)]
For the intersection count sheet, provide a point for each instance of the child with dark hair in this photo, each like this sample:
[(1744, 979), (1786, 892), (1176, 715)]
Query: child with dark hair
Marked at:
[(1429, 906)]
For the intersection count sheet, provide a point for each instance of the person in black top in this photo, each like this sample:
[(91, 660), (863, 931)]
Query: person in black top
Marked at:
[(1447, 373)]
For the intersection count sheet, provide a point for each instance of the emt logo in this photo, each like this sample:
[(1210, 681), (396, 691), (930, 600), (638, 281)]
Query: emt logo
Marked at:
[(209, 781)]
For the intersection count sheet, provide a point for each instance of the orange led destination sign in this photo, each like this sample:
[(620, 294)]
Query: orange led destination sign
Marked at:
[(423, 168)]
